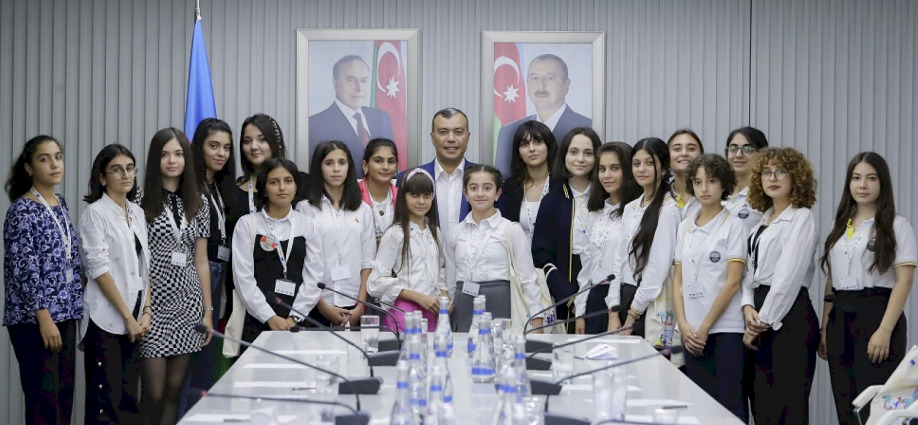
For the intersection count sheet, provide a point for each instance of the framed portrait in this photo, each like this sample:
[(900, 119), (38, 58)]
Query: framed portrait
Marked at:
[(355, 85), (557, 78)]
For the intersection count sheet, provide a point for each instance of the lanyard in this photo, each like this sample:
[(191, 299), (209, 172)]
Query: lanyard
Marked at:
[(850, 253), (217, 200), (281, 255), (177, 229), (340, 229), (63, 228), (703, 247), (251, 197), (481, 248), (604, 227), (532, 220), (580, 210)]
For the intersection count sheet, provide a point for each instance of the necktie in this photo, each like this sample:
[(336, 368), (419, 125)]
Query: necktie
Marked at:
[(362, 132)]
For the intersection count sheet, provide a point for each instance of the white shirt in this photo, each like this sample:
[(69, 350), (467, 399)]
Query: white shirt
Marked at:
[(529, 211), (605, 235), (738, 205), (107, 246), (349, 114), (424, 271), (704, 252), (552, 121), (291, 226), (581, 213), (851, 256), (659, 262), (690, 208), (383, 214), (449, 195), (478, 253), (786, 262), (348, 246)]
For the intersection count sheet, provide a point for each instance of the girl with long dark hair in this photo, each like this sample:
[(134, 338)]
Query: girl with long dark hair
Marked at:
[(742, 148), (684, 146), (534, 150), (380, 164)]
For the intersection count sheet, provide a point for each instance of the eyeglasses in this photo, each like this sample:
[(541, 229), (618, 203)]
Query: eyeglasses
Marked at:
[(121, 173), (778, 175), (747, 149)]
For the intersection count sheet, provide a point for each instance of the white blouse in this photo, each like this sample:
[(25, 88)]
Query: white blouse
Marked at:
[(478, 253), (348, 247), (738, 205), (851, 256), (579, 233), (291, 226), (424, 271), (529, 212), (704, 253), (786, 263), (107, 246), (659, 262), (605, 235)]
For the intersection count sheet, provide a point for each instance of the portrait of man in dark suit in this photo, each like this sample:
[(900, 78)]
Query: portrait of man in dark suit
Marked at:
[(547, 85), (348, 118)]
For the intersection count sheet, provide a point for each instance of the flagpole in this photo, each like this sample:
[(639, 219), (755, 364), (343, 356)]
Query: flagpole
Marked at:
[(197, 10)]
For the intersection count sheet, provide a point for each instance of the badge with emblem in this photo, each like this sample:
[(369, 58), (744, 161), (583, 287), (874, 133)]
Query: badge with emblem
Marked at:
[(268, 243), (743, 213), (714, 257)]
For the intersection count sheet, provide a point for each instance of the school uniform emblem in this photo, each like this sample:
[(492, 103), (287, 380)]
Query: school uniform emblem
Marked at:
[(743, 213), (872, 244), (714, 257)]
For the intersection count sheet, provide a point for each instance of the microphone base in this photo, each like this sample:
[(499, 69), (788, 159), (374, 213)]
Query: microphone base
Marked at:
[(384, 358), (538, 363), (368, 385), (538, 345), (358, 418), (388, 345), (556, 419), (544, 388)]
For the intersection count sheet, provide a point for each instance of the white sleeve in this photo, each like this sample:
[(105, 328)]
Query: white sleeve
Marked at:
[(381, 283), (906, 250), (441, 261), (522, 259), (660, 260), (747, 289), (244, 270), (588, 261), (367, 237), (797, 256), (614, 298), (313, 267), (94, 250)]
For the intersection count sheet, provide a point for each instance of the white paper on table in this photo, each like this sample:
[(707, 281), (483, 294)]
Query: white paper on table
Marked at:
[(229, 417), (296, 352), (274, 384), (683, 420), (650, 402), (275, 366)]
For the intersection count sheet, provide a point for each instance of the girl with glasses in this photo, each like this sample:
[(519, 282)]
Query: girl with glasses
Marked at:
[(742, 147)]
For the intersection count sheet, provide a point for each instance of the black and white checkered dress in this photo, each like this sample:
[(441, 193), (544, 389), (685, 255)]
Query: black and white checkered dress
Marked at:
[(177, 303)]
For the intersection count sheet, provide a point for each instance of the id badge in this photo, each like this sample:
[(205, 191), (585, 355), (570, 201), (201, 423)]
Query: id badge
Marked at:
[(470, 288), (69, 274), (693, 291), (340, 272), (223, 253), (847, 284), (284, 287), (179, 258)]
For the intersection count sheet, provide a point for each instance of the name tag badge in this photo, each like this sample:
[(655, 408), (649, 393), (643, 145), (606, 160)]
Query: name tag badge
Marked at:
[(470, 288), (223, 253), (340, 272), (693, 291), (847, 284), (284, 287), (179, 258)]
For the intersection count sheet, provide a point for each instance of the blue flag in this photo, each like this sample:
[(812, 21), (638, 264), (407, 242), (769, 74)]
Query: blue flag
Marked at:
[(200, 101)]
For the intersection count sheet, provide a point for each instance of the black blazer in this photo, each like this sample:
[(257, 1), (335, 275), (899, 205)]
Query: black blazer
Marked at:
[(511, 198), (552, 240)]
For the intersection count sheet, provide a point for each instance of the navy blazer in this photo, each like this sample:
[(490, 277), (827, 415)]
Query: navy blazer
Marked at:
[(429, 167), (331, 124), (569, 120), (511, 199), (552, 240)]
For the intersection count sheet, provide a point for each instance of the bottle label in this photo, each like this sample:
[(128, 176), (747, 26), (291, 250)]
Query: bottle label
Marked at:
[(436, 388), (482, 371), (401, 385)]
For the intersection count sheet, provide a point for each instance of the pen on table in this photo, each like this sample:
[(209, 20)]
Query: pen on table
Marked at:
[(675, 406)]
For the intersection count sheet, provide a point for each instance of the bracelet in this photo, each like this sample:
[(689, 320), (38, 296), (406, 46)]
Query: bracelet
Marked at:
[(148, 306), (147, 313), (208, 309), (634, 313)]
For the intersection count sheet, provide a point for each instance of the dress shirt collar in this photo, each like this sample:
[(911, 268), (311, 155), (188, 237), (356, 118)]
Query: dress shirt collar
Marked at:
[(710, 226), (785, 215), (438, 170), (111, 204), (552, 121), (286, 217), (491, 222), (347, 110)]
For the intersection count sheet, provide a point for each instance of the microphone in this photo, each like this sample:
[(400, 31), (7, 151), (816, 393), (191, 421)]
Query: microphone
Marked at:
[(531, 345), (376, 359), (354, 418), (398, 334), (348, 386), (564, 322), (554, 388), (535, 363)]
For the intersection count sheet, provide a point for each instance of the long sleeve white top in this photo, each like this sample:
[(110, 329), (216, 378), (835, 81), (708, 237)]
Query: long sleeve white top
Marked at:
[(348, 243), (107, 246), (660, 260), (784, 260), (478, 253), (293, 225), (604, 237), (424, 270)]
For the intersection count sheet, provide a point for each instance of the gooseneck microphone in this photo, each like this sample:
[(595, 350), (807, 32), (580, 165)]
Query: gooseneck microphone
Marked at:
[(534, 345), (388, 358), (566, 321), (347, 386), (535, 363), (354, 418), (398, 334)]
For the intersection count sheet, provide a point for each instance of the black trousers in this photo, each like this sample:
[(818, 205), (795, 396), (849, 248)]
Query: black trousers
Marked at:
[(112, 365), (854, 318), (596, 301), (627, 297), (47, 378), (784, 365), (719, 371)]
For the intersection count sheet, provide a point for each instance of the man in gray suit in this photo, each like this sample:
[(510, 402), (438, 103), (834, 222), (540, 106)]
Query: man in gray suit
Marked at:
[(547, 84)]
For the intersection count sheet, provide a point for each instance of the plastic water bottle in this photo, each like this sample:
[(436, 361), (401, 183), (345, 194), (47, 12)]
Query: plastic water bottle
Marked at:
[(439, 405), (523, 387), (406, 333), (478, 308), (442, 361), (444, 329), (417, 379), (508, 399), (402, 413), (425, 341), (483, 363)]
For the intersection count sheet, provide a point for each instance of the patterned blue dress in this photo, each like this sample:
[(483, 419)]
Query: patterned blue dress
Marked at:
[(35, 264)]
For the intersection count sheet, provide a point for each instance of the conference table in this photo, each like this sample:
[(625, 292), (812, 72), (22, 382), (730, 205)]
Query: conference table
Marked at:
[(652, 384)]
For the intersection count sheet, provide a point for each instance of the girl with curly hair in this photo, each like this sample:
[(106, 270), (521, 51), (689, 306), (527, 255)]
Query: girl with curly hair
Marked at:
[(778, 312)]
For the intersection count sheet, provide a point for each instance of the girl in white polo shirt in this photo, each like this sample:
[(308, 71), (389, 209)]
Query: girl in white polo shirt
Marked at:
[(742, 147), (709, 260), (870, 258)]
